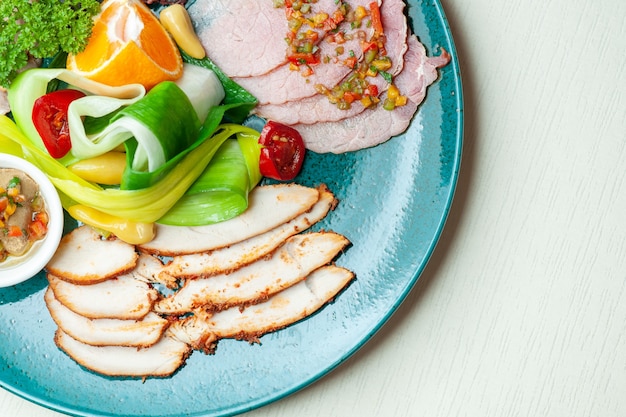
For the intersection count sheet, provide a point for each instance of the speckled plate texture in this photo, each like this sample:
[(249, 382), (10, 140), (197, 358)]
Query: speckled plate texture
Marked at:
[(394, 200)]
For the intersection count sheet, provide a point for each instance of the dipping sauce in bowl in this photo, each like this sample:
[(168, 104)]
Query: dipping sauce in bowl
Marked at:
[(31, 220)]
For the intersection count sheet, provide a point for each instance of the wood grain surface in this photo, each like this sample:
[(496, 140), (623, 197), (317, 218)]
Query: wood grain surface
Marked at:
[(522, 308)]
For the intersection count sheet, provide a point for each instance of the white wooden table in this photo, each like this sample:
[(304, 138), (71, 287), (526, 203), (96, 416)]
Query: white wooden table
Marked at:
[(522, 309)]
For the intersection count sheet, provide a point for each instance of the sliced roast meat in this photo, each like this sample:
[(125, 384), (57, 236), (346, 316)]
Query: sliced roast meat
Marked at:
[(269, 206), (123, 297), (289, 264), (373, 127), (202, 330), (159, 360), (84, 257), (150, 269), (106, 332), (247, 251)]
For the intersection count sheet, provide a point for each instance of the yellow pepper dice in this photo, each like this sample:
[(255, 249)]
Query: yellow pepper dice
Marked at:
[(104, 169), (360, 13), (177, 22), (393, 93), (129, 231)]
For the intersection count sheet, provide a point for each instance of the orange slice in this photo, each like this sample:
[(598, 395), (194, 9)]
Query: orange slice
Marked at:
[(128, 45)]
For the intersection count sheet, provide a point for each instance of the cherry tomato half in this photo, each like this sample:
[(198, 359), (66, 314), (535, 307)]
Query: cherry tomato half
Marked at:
[(50, 120), (282, 153)]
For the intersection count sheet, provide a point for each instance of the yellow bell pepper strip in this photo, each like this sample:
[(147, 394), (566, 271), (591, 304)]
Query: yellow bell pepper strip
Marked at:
[(177, 22), (106, 169), (7, 145), (129, 231)]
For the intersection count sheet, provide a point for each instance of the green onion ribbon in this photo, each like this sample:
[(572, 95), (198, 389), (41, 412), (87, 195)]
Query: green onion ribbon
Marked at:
[(147, 204), (205, 180)]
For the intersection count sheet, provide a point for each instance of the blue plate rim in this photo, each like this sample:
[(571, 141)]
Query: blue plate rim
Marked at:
[(454, 66)]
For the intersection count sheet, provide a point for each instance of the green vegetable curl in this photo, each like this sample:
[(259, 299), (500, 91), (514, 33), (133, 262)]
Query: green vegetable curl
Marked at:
[(40, 29)]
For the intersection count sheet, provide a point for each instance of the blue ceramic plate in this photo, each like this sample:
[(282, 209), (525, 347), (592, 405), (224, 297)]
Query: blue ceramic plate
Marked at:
[(394, 200)]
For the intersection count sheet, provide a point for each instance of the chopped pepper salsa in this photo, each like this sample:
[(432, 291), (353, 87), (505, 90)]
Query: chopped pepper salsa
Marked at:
[(309, 26)]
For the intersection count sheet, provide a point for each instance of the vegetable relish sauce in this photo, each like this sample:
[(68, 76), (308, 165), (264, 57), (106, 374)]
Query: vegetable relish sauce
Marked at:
[(23, 217)]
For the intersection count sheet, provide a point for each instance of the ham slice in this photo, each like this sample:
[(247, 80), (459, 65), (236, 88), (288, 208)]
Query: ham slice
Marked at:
[(84, 257), (202, 330), (284, 84), (269, 206), (289, 264), (373, 127), (317, 108), (245, 38), (106, 332), (159, 360)]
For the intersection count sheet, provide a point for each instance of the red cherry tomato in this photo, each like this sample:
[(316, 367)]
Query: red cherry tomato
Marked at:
[(50, 120), (282, 153)]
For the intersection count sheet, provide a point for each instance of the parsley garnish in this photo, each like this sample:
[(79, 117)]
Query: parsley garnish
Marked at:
[(41, 28)]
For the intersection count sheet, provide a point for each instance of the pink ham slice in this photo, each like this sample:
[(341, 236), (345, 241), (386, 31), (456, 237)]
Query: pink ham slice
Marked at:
[(4, 102), (284, 84), (317, 108), (371, 128), (244, 38)]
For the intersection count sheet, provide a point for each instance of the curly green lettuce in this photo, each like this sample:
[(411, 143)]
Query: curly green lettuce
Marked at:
[(41, 28)]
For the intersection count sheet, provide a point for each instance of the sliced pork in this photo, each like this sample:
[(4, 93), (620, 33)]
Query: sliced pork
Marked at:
[(247, 251), (123, 297), (84, 257), (150, 269), (106, 332), (316, 108), (289, 264), (243, 37), (269, 206), (284, 84), (201, 330), (159, 360), (246, 38), (373, 127)]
